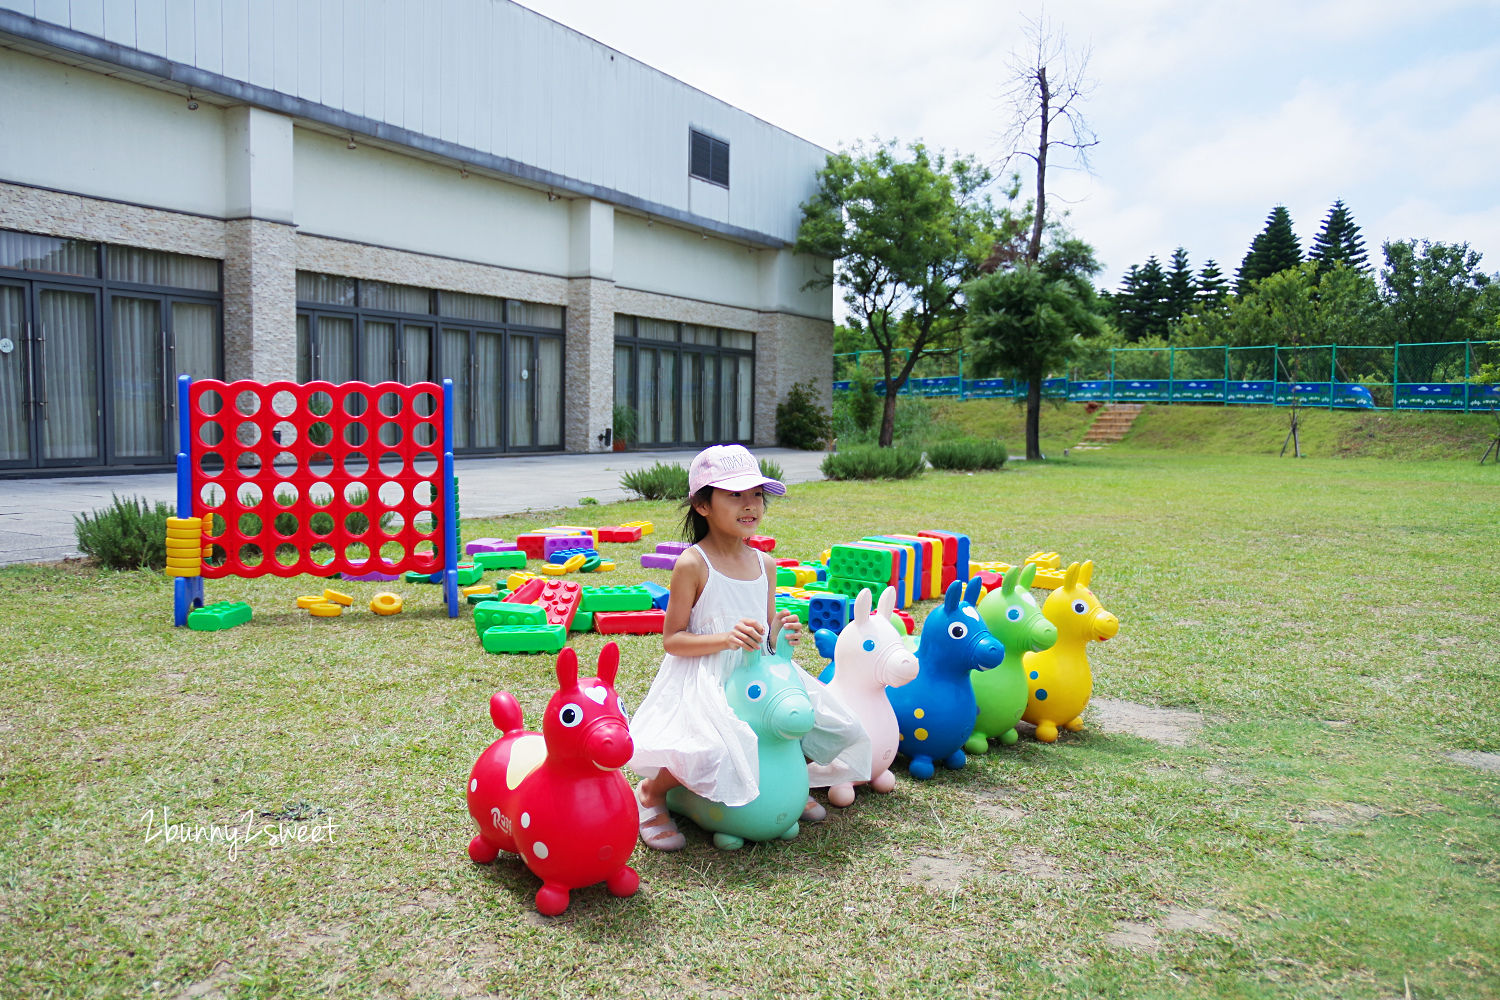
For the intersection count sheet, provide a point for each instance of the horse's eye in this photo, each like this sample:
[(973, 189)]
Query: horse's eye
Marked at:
[(570, 715)]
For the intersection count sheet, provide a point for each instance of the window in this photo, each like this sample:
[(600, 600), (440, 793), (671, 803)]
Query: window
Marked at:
[(710, 158)]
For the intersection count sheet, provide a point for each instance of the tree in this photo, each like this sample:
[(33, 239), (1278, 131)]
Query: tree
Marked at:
[(904, 231), (1152, 305), (1435, 293), (1179, 285), (1212, 288), (1339, 242), (1025, 321), (1046, 88), (1276, 248)]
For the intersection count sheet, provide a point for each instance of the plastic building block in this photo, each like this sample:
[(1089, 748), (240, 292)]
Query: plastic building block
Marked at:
[(583, 621), (673, 548), (960, 558), (525, 639), (488, 545), (498, 614), (326, 610), (386, 604), (478, 588), (373, 576), (469, 575), (620, 533), (605, 566), (787, 562), (555, 543), (527, 592), (335, 597), (559, 599), (850, 562), (531, 543), (629, 622), (573, 529), (785, 577), (514, 559), (796, 606), (218, 615), (1045, 560), (830, 611), (763, 542), (658, 560), (561, 556), (500, 594), (615, 599), (646, 526), (517, 580), (659, 594), (413, 576), (906, 619)]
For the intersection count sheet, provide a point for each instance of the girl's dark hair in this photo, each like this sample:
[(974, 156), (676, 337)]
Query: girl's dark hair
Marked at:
[(694, 524)]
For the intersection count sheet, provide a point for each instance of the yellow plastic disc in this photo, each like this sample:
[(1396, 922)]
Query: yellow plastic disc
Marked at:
[(386, 604), (326, 610), (194, 523), (334, 597), (307, 602), (573, 564), (184, 571), (553, 569)]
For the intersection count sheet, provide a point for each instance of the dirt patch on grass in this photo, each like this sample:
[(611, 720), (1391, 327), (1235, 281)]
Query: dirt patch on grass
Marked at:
[(1171, 726), (1477, 758), (1000, 804), (937, 873), (212, 988), (1137, 936), (1338, 816), (1036, 863)]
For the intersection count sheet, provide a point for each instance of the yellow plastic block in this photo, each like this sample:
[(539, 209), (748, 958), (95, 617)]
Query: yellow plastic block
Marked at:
[(646, 526), (308, 601), (804, 576), (478, 588), (573, 563), (574, 529), (515, 580), (992, 566), (334, 597), (386, 604), (1045, 560), (326, 609), (1049, 579), (604, 567)]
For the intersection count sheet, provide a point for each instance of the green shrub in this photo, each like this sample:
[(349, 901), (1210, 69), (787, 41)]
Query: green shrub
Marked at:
[(915, 420), (771, 470), (128, 534), (967, 454), (659, 482), (801, 422), (873, 462)]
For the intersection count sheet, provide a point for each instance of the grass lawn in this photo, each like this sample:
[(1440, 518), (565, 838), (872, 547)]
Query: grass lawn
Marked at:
[(1288, 788)]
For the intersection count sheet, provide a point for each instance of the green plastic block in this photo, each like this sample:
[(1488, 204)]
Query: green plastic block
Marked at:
[(500, 560), (583, 621), (500, 594), (851, 588), (525, 639), (469, 575), (412, 576), (499, 614), (218, 615), (615, 599), (855, 563), (795, 605), (785, 577)]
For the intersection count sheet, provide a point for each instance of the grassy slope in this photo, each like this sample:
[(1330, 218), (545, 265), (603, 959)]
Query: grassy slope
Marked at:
[(1333, 621)]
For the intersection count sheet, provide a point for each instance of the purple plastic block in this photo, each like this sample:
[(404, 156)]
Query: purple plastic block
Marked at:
[(673, 548), (552, 543), (373, 575), (658, 560), (489, 545)]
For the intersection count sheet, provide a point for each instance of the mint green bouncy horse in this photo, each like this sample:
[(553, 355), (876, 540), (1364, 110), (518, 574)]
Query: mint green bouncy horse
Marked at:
[(767, 694), (1014, 618)]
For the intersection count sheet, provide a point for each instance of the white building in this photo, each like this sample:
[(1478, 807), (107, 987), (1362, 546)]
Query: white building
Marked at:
[(301, 189)]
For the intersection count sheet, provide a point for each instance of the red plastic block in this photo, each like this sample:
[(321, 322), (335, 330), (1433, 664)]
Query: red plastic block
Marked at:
[(787, 562), (950, 573), (950, 545), (906, 619), (989, 581), (620, 533), (629, 622), (528, 592), (763, 542), (560, 599), (531, 543)]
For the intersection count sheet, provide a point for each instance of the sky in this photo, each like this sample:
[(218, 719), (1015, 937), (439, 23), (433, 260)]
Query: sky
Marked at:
[(1207, 114)]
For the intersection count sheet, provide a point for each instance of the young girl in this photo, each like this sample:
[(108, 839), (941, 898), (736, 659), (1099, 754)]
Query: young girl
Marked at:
[(722, 606)]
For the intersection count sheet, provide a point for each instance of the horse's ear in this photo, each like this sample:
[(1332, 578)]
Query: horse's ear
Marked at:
[(1027, 576), (862, 605), (887, 602), (971, 592), (567, 668), (783, 647), (609, 663), (1070, 578), (1086, 572), (1011, 577), (953, 596)]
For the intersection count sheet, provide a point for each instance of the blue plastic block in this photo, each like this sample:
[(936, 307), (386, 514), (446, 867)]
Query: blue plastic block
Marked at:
[(830, 612), (659, 594)]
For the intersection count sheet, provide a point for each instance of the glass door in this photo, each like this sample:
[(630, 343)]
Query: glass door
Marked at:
[(520, 409), (488, 374), (138, 370), (16, 446), (67, 374)]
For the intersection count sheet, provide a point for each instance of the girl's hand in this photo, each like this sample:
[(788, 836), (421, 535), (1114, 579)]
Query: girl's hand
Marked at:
[(791, 627), (746, 634)]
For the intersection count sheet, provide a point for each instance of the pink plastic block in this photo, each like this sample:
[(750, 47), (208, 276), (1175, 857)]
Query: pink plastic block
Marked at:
[(658, 560), (673, 548)]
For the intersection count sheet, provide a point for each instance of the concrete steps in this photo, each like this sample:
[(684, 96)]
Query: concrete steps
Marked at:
[(1111, 425)]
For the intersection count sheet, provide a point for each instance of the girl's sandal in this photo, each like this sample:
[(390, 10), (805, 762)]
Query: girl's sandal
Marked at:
[(813, 812), (658, 831)]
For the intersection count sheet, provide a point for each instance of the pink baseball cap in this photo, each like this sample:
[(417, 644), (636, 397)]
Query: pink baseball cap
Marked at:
[(729, 467)]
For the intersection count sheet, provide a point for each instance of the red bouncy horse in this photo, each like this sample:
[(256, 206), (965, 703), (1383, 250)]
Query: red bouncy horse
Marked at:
[(557, 798)]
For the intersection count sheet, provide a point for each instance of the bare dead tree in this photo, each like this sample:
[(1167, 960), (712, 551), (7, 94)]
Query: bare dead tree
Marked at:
[(1048, 85)]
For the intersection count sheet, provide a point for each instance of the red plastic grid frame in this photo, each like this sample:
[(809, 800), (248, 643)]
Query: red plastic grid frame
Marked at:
[(260, 450)]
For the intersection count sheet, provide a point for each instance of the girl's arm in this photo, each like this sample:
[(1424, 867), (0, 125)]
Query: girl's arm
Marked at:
[(780, 620), (689, 576)]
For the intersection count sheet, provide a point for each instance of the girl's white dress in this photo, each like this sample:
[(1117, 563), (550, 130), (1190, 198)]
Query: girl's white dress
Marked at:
[(686, 726)]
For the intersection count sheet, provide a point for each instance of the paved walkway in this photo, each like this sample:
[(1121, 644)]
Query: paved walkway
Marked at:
[(36, 515)]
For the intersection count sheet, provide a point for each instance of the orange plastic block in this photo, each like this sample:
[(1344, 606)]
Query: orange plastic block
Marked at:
[(560, 599)]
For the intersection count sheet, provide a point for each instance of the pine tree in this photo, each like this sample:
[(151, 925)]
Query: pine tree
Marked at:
[(1151, 299), (1126, 308), (1212, 287), (1339, 242), (1179, 285), (1273, 250)]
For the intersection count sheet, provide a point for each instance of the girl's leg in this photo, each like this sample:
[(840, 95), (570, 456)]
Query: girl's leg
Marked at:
[(658, 831)]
